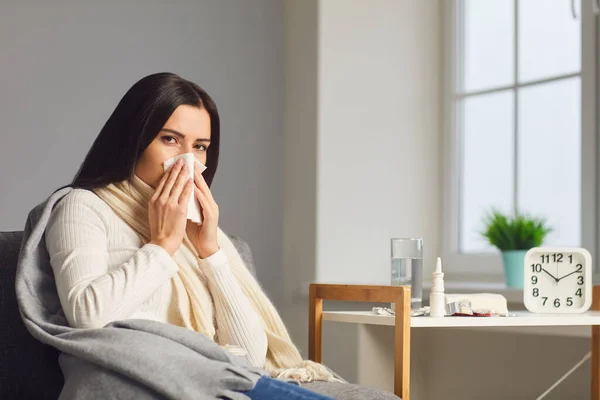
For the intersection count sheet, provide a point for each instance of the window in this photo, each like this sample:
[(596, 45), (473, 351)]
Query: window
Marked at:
[(521, 113)]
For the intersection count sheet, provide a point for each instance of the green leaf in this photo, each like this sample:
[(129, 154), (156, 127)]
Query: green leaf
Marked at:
[(520, 232)]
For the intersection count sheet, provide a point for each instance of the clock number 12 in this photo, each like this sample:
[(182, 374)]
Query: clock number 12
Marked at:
[(556, 257)]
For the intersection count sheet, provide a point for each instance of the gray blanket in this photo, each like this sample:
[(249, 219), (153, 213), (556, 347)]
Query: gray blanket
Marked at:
[(137, 359)]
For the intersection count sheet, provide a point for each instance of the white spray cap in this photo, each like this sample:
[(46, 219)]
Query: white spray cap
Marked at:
[(438, 266)]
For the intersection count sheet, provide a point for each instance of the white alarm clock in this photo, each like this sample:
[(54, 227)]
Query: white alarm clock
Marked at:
[(558, 280)]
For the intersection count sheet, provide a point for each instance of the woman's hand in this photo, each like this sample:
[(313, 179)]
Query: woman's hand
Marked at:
[(167, 208), (204, 236)]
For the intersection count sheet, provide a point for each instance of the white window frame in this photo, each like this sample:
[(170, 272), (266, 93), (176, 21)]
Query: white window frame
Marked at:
[(488, 267)]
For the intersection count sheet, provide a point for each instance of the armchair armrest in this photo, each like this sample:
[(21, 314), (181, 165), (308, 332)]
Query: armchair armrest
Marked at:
[(399, 295)]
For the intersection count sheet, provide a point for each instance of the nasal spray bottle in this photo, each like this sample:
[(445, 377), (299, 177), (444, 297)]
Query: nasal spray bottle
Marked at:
[(437, 299)]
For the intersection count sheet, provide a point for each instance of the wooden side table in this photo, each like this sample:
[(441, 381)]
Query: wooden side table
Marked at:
[(399, 295), (404, 323)]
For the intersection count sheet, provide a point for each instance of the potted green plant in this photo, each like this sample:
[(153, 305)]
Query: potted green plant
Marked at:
[(513, 236)]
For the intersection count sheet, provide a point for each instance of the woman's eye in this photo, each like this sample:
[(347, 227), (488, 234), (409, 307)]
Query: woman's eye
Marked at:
[(173, 140)]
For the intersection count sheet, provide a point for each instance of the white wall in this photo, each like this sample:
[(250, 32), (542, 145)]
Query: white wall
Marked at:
[(362, 148), (379, 136), (66, 64)]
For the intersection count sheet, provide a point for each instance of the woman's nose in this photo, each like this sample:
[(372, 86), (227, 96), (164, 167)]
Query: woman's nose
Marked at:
[(188, 149)]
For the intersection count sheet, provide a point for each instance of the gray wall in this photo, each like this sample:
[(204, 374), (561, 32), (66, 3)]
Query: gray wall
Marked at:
[(64, 66)]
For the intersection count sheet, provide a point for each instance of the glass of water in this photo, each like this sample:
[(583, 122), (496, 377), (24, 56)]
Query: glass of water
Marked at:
[(407, 267)]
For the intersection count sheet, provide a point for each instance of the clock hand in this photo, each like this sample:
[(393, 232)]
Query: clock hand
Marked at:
[(566, 276), (553, 277)]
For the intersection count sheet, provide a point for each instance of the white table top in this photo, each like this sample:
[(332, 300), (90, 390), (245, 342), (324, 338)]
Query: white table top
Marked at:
[(522, 318)]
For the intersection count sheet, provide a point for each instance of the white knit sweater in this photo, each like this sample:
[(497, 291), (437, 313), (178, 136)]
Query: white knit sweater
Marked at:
[(105, 273)]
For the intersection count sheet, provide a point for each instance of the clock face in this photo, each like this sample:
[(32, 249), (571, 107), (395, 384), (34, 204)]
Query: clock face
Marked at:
[(558, 280)]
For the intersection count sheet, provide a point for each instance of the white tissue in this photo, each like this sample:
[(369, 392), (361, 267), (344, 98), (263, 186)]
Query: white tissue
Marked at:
[(193, 212)]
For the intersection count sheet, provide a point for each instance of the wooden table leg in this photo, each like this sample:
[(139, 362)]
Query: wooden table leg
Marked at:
[(315, 326), (402, 346), (596, 347)]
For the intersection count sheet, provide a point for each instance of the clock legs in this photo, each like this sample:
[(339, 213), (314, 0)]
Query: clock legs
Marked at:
[(596, 347)]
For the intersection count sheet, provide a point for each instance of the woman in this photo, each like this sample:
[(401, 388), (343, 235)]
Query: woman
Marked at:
[(121, 246)]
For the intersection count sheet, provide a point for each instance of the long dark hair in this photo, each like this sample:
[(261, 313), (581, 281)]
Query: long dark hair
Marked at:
[(134, 124)]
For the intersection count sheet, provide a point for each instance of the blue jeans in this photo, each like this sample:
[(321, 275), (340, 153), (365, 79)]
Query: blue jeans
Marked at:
[(274, 389)]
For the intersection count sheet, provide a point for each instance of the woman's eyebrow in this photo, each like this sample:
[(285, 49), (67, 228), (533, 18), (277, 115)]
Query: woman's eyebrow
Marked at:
[(181, 135)]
